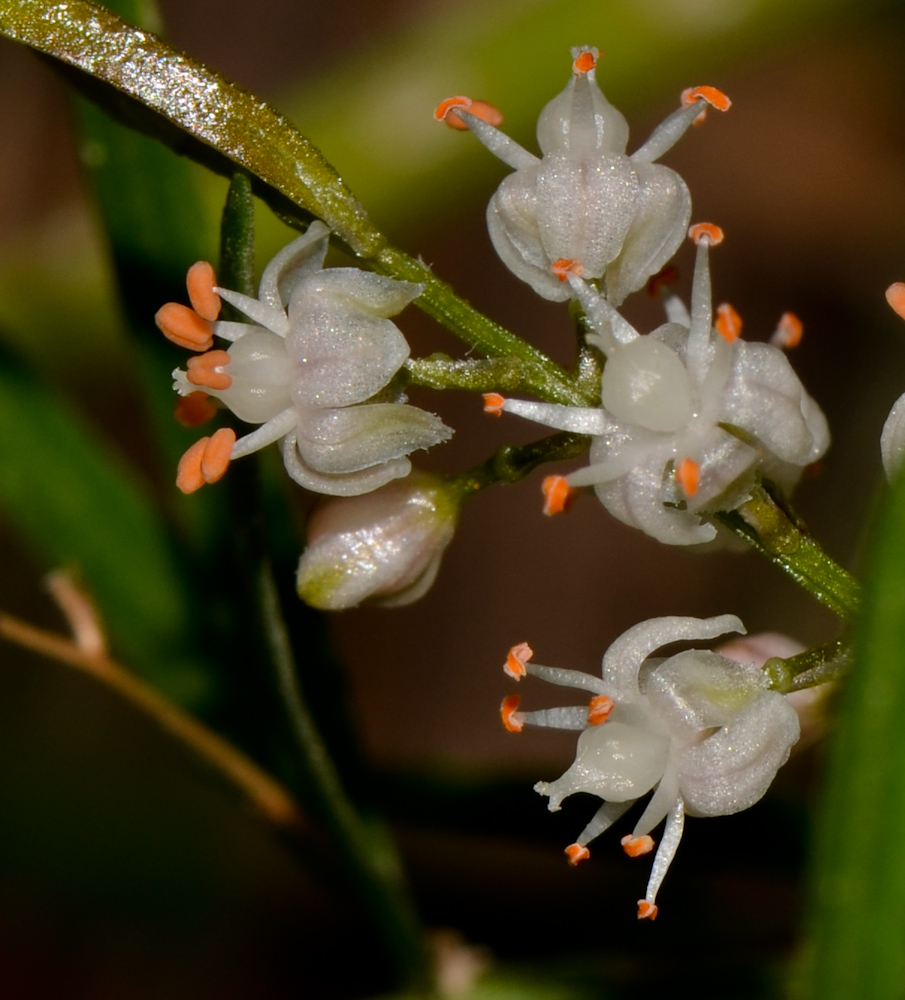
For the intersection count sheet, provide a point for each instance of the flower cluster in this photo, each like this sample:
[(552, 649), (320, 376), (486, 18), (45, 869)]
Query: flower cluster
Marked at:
[(585, 199), (688, 414), (307, 370), (702, 732)]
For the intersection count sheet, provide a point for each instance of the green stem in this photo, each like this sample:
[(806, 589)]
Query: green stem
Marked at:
[(512, 462), (374, 867), (810, 668), (768, 528), (543, 377), (477, 375)]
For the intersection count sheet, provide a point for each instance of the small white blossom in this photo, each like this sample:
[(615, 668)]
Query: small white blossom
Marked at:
[(383, 548), (307, 370), (689, 414), (585, 199), (702, 732)]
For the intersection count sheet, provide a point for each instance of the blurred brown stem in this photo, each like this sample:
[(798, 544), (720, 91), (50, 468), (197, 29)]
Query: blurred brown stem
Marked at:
[(267, 795)]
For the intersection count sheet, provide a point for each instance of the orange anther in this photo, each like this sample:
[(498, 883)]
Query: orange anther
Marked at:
[(217, 453), (728, 322), (480, 109), (206, 461), (662, 280), (584, 63), (788, 331), (189, 476), (194, 409), (566, 266), (706, 230), (634, 847), (203, 370), (493, 404), (576, 853), (443, 109), (599, 709), (507, 713), (715, 98), (200, 282), (688, 476), (647, 910), (557, 494), (895, 296), (516, 659), (184, 327)]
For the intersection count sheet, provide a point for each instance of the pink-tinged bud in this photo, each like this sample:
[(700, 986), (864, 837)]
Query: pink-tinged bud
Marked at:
[(383, 547)]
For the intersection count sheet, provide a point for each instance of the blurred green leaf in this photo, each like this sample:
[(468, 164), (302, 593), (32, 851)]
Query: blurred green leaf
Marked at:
[(858, 915), (81, 506)]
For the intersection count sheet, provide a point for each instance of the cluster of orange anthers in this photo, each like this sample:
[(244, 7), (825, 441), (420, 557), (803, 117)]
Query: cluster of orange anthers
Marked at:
[(192, 328)]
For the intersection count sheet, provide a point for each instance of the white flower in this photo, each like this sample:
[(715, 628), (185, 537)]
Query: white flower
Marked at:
[(702, 732), (892, 438), (383, 548), (622, 217), (688, 413), (321, 346)]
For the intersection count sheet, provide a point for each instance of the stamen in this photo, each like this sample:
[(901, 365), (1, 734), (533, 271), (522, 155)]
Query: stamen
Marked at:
[(634, 847), (662, 280), (688, 476), (706, 231), (493, 404), (480, 109), (566, 266), (576, 853), (202, 370), (200, 282), (647, 910), (728, 322), (217, 453), (184, 327), (194, 409), (584, 62), (599, 709), (895, 296), (557, 494), (516, 659), (189, 476), (789, 331), (206, 461), (715, 98), (445, 111), (507, 713)]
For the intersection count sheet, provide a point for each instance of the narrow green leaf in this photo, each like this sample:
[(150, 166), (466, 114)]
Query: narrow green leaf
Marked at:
[(203, 103), (858, 914)]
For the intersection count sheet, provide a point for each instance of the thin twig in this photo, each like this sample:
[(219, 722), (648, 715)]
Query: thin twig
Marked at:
[(266, 794)]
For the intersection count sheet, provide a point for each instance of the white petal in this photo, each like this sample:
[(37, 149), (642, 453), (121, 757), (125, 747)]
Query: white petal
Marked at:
[(892, 439)]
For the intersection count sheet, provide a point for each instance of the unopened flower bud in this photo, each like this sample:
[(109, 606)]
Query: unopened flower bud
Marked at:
[(384, 547)]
